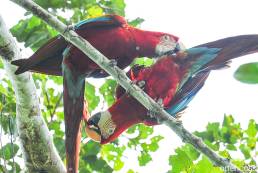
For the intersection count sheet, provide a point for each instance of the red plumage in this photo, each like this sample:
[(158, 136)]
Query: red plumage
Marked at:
[(114, 38), (174, 80), (161, 81)]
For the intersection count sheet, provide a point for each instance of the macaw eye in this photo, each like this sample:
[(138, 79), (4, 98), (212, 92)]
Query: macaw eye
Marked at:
[(165, 37), (111, 131)]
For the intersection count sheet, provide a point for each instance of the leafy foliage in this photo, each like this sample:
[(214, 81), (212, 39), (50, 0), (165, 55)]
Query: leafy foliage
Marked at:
[(247, 73), (33, 32), (140, 139), (227, 139)]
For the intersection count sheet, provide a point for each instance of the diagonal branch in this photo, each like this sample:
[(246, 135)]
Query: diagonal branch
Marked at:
[(122, 79), (36, 142)]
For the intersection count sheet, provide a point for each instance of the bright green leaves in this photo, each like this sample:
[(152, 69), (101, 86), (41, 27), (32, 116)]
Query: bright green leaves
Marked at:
[(231, 131), (147, 147), (182, 160), (90, 161), (56, 4), (143, 61), (9, 151), (113, 154), (8, 131), (144, 142), (252, 129), (226, 139), (247, 73), (95, 11), (108, 91), (91, 97), (136, 22), (33, 31), (205, 166), (113, 6)]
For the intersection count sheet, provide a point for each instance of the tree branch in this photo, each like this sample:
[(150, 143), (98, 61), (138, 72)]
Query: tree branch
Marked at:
[(37, 146), (125, 82)]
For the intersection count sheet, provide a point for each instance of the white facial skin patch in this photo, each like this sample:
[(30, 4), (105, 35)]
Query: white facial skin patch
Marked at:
[(166, 44), (106, 125)]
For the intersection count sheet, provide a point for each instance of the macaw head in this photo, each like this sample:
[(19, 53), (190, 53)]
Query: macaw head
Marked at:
[(154, 44), (106, 126)]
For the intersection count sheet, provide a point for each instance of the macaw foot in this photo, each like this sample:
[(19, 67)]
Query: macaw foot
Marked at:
[(179, 115), (153, 113), (112, 62), (69, 28), (141, 84), (160, 102)]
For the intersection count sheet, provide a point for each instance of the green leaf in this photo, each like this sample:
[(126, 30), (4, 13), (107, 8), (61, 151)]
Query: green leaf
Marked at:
[(136, 22), (180, 161), (225, 154), (9, 150), (144, 158), (231, 147), (90, 149), (114, 154), (130, 171), (251, 130), (205, 166), (114, 6), (33, 32), (143, 61), (192, 153), (108, 91), (239, 163), (245, 150), (247, 73), (91, 97)]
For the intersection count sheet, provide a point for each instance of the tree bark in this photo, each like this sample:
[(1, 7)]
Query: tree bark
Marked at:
[(125, 82), (36, 142)]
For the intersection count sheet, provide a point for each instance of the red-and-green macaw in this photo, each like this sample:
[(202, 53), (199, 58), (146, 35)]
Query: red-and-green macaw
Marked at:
[(113, 37), (172, 81)]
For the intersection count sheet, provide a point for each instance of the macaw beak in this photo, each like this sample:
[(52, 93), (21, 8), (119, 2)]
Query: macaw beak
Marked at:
[(92, 129), (168, 45), (178, 48)]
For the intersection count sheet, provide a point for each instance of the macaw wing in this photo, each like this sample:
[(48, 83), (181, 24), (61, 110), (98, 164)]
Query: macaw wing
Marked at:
[(187, 93), (108, 20), (215, 55), (47, 55), (200, 60), (48, 58)]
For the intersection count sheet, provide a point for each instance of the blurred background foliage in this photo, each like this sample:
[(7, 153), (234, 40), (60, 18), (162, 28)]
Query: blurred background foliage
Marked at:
[(228, 139)]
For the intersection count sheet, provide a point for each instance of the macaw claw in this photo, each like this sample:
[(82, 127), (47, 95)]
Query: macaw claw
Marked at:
[(112, 62), (141, 84), (160, 102), (69, 28)]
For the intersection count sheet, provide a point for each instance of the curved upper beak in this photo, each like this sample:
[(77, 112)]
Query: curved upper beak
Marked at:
[(178, 48)]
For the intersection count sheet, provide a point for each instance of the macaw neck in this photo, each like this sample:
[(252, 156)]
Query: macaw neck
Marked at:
[(125, 113), (145, 42)]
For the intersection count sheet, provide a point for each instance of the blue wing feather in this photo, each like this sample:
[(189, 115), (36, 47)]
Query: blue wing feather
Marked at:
[(192, 82), (206, 56), (93, 20), (201, 59), (187, 93), (183, 102)]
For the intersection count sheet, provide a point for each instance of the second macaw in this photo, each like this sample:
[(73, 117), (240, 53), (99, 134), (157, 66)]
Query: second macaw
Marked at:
[(172, 81), (114, 38)]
